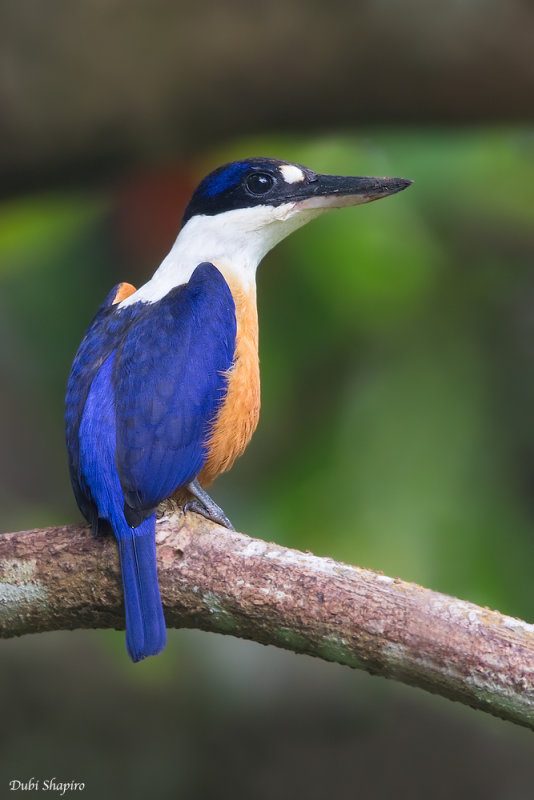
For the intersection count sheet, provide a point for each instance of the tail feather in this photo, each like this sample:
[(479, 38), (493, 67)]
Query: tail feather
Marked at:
[(145, 625)]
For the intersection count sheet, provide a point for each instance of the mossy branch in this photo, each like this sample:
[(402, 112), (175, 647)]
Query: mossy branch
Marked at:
[(222, 581)]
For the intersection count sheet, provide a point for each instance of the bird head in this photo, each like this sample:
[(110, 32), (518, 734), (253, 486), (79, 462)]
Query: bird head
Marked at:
[(246, 207), (273, 184)]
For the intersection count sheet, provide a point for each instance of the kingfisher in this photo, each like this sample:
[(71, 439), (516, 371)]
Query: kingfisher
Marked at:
[(164, 391)]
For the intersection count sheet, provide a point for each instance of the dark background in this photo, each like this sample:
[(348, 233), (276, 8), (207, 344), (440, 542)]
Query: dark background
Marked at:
[(397, 349)]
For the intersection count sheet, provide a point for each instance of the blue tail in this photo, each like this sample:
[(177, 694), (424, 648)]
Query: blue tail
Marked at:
[(145, 625)]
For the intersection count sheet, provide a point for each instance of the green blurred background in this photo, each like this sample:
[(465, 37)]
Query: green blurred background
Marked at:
[(397, 352)]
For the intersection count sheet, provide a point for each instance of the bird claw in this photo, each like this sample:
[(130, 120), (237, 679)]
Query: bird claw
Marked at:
[(213, 513), (204, 505)]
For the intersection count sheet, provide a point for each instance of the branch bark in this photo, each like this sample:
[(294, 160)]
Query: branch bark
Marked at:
[(221, 581)]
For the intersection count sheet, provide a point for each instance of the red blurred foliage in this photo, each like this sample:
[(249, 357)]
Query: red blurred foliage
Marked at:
[(148, 210)]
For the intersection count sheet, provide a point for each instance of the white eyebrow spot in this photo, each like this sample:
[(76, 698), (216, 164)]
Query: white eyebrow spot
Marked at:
[(291, 173)]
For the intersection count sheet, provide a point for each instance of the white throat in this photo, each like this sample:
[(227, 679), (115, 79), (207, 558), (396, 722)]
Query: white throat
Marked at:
[(234, 241)]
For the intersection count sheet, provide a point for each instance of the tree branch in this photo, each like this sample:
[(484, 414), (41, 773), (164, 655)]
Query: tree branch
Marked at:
[(222, 581)]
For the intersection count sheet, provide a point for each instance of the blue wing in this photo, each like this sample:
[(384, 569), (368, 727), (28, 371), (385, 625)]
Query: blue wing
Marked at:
[(97, 345), (162, 368), (169, 379)]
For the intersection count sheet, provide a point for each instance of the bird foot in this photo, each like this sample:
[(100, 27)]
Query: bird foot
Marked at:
[(204, 505)]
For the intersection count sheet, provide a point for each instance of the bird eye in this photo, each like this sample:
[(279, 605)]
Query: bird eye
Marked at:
[(259, 182)]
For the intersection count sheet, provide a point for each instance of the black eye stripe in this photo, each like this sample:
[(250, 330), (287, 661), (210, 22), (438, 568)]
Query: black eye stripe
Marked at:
[(245, 184), (258, 183)]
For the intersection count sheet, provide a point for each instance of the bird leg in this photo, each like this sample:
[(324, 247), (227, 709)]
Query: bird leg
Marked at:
[(204, 505)]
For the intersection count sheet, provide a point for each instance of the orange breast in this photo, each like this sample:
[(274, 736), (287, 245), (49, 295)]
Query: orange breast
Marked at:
[(238, 416)]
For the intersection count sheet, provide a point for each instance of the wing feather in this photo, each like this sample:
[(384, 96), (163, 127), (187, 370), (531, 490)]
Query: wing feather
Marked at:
[(169, 379)]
